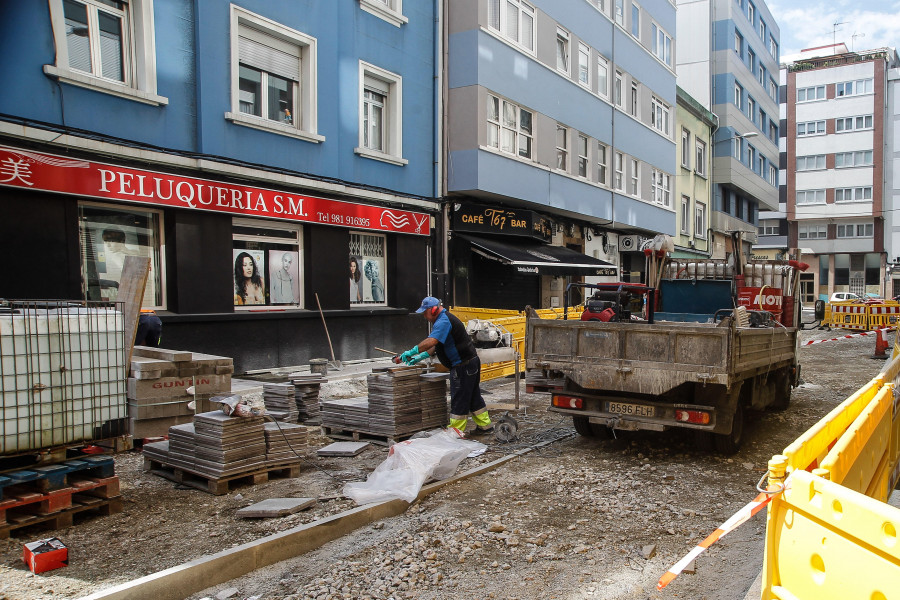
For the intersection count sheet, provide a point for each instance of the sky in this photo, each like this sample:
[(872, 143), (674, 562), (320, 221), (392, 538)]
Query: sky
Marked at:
[(810, 23)]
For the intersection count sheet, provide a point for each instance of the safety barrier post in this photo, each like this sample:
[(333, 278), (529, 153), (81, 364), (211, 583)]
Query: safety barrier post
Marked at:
[(777, 470), (881, 344)]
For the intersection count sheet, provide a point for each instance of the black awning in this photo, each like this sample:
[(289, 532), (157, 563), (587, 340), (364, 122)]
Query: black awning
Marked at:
[(539, 259)]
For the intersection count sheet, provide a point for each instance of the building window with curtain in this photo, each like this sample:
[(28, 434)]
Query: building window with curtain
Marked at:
[(273, 77), (509, 127), (562, 148), (380, 115)]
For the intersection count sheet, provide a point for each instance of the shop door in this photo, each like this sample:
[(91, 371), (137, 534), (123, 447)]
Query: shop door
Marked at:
[(495, 285), (807, 289)]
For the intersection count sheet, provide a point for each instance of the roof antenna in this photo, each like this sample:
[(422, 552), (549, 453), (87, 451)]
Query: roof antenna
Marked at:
[(834, 30), (853, 40)]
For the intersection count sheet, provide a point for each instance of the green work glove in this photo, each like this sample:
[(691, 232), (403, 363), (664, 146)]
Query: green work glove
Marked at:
[(409, 354), (417, 358)]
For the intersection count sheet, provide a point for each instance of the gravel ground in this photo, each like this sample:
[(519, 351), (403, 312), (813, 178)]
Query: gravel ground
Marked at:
[(581, 518)]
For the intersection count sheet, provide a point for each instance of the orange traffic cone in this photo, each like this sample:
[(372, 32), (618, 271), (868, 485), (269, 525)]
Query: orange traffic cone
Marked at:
[(881, 344)]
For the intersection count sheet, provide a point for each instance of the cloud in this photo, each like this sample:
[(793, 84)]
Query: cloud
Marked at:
[(810, 24)]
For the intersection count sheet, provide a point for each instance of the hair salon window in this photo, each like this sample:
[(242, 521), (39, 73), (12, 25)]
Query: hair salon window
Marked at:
[(266, 264), (108, 235), (367, 269)]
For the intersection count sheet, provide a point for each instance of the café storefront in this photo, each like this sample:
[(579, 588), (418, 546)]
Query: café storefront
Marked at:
[(503, 258), (237, 269)]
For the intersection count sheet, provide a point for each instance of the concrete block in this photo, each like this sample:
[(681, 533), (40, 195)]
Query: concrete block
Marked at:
[(144, 428), (159, 410), (172, 387)]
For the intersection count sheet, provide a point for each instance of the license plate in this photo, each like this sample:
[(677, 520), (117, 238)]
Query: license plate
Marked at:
[(638, 410)]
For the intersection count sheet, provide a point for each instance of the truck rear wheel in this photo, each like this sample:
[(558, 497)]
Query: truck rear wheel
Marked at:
[(782, 393), (583, 426), (730, 443)]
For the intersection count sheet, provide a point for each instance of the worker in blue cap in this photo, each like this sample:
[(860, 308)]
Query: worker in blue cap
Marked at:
[(452, 345)]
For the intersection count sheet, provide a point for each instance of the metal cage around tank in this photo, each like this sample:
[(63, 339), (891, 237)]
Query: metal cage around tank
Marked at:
[(63, 369)]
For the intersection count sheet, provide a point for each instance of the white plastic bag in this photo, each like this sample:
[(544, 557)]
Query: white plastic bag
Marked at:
[(410, 464)]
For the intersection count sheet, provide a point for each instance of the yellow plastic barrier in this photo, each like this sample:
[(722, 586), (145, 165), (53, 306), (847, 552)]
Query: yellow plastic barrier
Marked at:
[(812, 446), (858, 454), (831, 525), (849, 315), (514, 322), (827, 542), (861, 316), (884, 315)]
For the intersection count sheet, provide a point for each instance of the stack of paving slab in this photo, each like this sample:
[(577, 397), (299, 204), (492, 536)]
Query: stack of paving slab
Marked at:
[(227, 445), (283, 441), (401, 402), (158, 387), (306, 396), (280, 401), (182, 446)]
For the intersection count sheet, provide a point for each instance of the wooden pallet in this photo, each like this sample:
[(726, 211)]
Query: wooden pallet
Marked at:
[(221, 485), (362, 436), (24, 501), (64, 518)]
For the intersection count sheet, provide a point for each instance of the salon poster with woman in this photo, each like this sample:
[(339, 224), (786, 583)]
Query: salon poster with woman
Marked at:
[(356, 280), (373, 279), (249, 283)]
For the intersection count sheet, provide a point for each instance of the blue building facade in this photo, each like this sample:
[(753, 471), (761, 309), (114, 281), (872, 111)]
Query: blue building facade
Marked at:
[(729, 60), (262, 154), (560, 114)]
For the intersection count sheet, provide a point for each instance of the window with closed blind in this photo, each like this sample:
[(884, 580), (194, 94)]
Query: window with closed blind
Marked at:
[(273, 77), (513, 20), (107, 46)]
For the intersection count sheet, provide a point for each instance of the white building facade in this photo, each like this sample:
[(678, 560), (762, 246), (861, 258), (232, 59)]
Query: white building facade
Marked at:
[(837, 117)]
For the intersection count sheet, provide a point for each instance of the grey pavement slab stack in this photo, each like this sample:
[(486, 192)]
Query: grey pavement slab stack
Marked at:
[(284, 441), (182, 446), (306, 396), (158, 451), (280, 400), (401, 401), (159, 383), (228, 445), (339, 413)]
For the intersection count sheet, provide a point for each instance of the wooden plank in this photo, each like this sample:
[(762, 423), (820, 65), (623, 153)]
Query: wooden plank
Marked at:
[(131, 291)]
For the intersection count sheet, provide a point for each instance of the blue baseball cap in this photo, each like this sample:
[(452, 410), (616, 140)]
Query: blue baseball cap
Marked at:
[(428, 302)]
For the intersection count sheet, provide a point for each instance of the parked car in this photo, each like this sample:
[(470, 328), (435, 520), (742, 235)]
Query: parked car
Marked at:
[(844, 297)]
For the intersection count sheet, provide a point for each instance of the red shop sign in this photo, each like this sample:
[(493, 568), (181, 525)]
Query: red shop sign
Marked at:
[(35, 171)]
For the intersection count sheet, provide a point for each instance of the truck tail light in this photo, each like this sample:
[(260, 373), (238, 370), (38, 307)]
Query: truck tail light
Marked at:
[(568, 402), (692, 416)]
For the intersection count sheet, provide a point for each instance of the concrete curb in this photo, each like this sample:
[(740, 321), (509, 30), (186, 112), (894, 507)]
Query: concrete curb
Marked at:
[(189, 578), (755, 591)]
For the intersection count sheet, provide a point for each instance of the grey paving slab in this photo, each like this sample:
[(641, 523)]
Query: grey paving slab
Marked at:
[(343, 449), (275, 507)]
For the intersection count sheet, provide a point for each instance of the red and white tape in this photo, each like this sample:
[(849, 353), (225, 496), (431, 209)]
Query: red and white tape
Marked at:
[(736, 520), (849, 335)]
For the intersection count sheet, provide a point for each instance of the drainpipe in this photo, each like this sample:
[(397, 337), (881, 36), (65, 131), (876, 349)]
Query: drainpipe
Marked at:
[(438, 163)]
